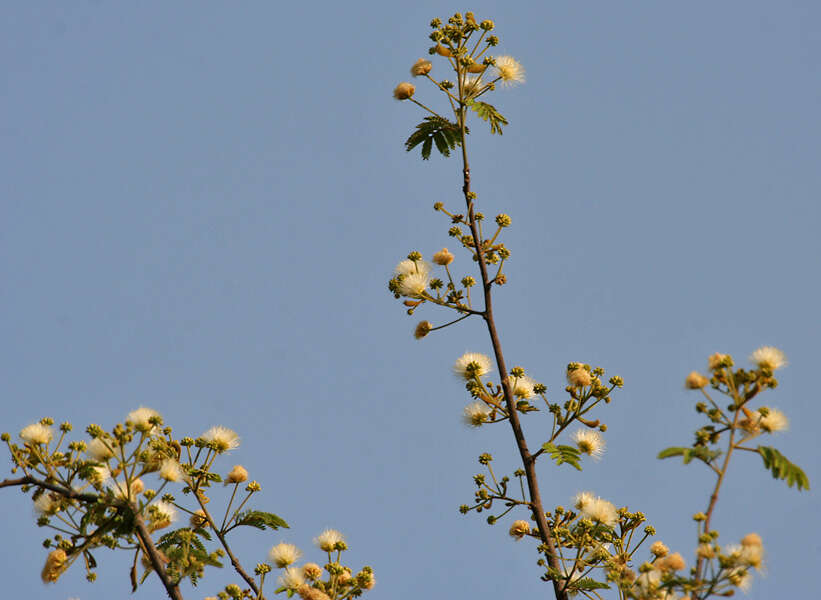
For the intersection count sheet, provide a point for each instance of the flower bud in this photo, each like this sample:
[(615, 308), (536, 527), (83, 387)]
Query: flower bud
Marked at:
[(421, 67), (404, 91), (237, 475), (422, 329), (519, 529), (695, 381), (443, 257)]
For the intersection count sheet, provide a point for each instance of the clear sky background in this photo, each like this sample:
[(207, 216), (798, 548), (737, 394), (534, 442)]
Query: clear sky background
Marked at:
[(201, 204)]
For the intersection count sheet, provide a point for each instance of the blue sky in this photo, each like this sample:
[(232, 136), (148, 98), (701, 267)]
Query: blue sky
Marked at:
[(201, 205)]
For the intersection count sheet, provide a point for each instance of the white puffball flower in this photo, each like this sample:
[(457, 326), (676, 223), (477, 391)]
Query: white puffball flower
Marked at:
[(141, 419), (222, 438), (284, 554), (36, 433), (476, 414), (328, 539), (472, 364), (769, 358), (589, 442), (170, 470)]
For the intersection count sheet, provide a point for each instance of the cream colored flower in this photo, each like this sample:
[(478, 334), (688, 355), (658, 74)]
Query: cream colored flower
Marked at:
[(160, 515), (198, 519), (237, 475), (768, 357), (602, 511), (312, 571), (741, 578), (99, 475), (413, 285), (140, 419), (328, 539), (715, 361), (47, 504), (596, 508), (510, 70), (523, 387), (775, 421), (292, 578), (519, 529), (412, 267), (472, 364), (476, 414), (589, 442), (36, 433), (672, 562), (579, 376), (583, 499), (100, 450), (659, 549), (472, 85), (284, 554), (221, 439), (170, 470), (443, 257)]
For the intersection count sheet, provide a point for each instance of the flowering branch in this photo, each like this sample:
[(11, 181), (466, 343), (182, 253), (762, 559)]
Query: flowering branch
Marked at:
[(599, 536)]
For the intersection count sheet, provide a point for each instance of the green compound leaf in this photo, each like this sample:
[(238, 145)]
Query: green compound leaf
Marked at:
[(688, 454), (487, 112), (261, 520), (563, 454), (434, 130), (585, 583), (782, 468)]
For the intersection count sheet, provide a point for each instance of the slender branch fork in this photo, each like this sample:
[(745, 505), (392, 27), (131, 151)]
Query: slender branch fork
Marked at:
[(528, 460)]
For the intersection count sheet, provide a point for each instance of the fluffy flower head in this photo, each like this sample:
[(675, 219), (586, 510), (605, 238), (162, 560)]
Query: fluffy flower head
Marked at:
[(222, 438), (589, 442), (141, 418), (443, 257), (237, 475), (519, 529), (170, 470), (472, 364), (284, 554), (768, 357), (328, 539), (523, 387), (412, 267), (774, 421), (292, 578), (47, 504), (510, 70), (596, 508), (99, 450), (413, 285), (476, 414), (36, 433), (161, 514), (579, 376)]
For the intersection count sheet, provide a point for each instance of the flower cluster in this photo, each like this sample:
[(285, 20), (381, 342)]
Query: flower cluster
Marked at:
[(307, 581)]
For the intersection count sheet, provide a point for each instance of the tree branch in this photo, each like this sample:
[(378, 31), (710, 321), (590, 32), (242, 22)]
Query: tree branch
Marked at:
[(528, 460)]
